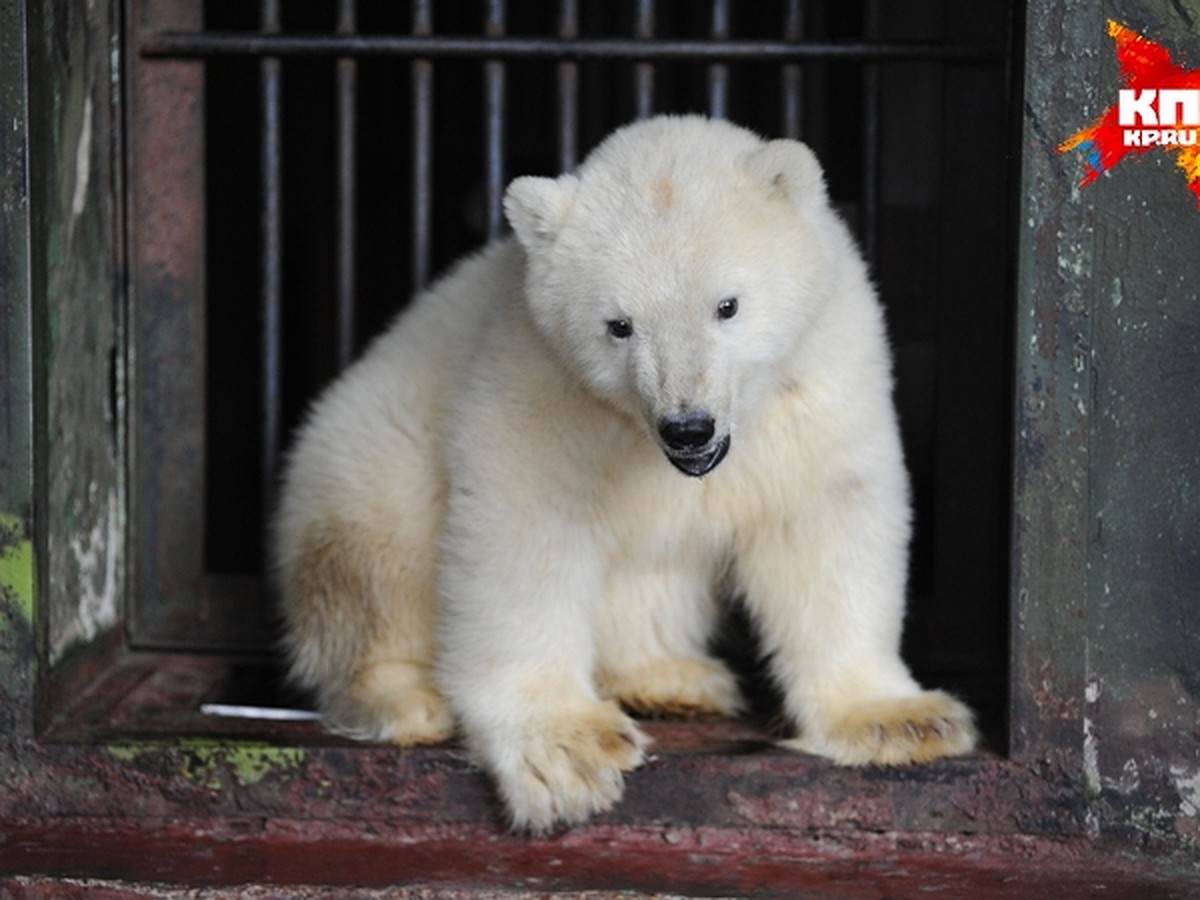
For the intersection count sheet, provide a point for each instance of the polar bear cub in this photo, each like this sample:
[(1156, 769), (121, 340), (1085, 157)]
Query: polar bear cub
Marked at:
[(516, 516)]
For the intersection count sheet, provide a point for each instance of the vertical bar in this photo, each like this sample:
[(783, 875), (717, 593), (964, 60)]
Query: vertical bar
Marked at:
[(643, 73), (793, 30), (718, 74), (494, 116), (271, 92), (869, 207), (422, 144), (568, 90), (347, 100)]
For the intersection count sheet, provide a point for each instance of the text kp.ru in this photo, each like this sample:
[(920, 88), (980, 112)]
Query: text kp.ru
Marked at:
[(1145, 114)]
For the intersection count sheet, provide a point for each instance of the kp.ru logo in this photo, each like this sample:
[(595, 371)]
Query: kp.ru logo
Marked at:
[(1159, 108), (1179, 108)]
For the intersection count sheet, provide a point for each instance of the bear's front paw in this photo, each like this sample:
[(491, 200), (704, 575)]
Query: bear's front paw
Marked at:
[(569, 766), (892, 731)]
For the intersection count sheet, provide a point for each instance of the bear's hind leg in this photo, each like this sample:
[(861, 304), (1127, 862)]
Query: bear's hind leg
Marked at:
[(360, 615), (652, 634), (390, 694), (677, 686), (391, 700)]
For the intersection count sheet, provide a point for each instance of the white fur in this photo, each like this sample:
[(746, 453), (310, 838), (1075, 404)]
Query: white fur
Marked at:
[(482, 510)]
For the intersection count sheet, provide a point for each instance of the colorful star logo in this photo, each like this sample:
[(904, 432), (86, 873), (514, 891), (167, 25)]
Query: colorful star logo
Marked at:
[(1159, 109)]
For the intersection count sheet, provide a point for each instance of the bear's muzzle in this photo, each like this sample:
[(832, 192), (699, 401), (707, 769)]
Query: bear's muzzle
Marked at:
[(688, 442)]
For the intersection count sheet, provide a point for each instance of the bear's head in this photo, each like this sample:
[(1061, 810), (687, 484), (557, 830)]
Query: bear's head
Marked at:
[(677, 272)]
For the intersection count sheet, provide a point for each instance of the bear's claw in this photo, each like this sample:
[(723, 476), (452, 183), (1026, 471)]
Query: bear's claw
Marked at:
[(569, 768)]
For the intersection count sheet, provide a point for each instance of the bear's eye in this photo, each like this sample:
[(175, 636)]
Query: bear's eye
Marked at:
[(727, 308), (620, 328)]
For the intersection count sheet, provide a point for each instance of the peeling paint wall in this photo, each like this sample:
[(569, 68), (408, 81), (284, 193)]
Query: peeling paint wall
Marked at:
[(1051, 419), (1125, 282), (1143, 634), (17, 560), (75, 268)]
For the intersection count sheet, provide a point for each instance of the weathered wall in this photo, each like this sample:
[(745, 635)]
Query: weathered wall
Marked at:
[(1051, 421), (61, 468), (74, 220), (1142, 714), (16, 430), (1110, 338)]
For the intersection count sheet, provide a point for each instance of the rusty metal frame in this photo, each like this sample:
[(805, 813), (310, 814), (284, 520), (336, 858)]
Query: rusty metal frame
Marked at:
[(167, 373), (166, 38), (497, 45)]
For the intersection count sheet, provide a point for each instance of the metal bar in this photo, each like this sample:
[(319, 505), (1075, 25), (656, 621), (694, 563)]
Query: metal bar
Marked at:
[(422, 150), (494, 114), (568, 90), (790, 76), (171, 44), (869, 205), (643, 73), (347, 135), (718, 73), (271, 95)]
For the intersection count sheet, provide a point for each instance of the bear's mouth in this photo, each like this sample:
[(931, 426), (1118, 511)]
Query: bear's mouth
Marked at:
[(700, 461)]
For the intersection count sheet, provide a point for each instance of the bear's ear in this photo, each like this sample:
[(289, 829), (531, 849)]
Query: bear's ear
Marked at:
[(536, 207), (789, 170)]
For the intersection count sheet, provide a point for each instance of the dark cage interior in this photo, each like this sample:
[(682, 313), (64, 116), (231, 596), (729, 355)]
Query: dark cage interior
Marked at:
[(345, 167)]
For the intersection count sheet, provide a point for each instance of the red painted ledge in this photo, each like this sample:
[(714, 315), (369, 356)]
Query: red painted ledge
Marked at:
[(38, 860)]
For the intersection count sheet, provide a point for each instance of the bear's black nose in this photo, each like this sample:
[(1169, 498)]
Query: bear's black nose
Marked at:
[(689, 431)]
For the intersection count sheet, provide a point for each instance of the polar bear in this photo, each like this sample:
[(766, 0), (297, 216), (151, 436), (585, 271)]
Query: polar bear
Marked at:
[(518, 514)]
